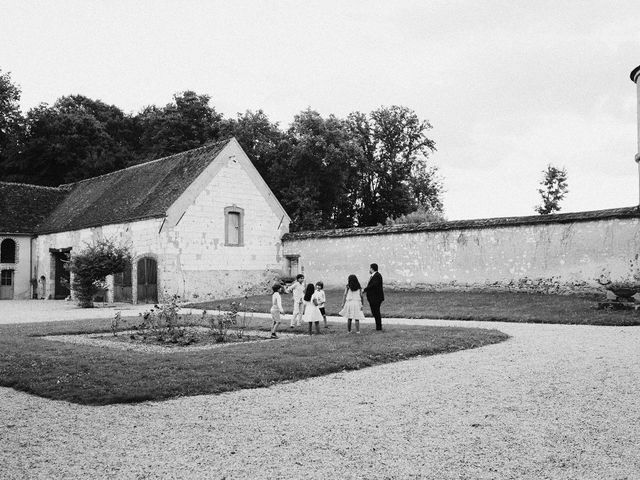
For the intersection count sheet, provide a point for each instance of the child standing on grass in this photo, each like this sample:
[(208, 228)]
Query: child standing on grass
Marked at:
[(322, 299), (297, 288), (311, 313), (352, 303), (276, 308)]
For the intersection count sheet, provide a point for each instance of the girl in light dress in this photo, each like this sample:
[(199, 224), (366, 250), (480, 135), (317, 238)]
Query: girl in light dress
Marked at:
[(352, 303), (276, 308), (311, 313)]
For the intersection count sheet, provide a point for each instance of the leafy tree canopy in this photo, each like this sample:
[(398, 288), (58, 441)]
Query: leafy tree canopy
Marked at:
[(76, 138), (187, 122), (394, 177), (328, 172), (10, 119)]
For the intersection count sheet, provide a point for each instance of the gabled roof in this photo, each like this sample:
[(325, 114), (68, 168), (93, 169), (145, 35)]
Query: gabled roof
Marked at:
[(23, 207), (142, 191)]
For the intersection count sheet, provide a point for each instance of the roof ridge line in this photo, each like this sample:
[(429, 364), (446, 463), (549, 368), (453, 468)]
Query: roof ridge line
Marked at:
[(2, 182), (130, 167)]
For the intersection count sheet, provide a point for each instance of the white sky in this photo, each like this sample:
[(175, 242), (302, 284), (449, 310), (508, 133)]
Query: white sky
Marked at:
[(509, 86)]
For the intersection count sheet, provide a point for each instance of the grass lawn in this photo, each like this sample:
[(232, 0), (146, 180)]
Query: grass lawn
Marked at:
[(98, 376), (486, 306)]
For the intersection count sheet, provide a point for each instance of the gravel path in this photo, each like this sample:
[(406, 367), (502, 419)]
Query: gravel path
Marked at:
[(554, 401), (23, 311)]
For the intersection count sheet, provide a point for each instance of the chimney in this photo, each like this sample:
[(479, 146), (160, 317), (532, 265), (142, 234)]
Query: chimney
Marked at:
[(635, 78)]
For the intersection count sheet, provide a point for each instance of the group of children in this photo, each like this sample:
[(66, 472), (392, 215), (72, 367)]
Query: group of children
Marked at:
[(309, 301)]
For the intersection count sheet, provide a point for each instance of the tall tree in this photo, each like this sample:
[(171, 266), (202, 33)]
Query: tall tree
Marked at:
[(76, 138), (553, 189), (260, 139), (318, 172), (394, 176), (11, 121), (187, 122)]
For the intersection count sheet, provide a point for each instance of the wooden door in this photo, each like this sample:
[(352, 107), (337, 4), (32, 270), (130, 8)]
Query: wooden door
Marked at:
[(62, 276), (6, 284), (147, 280), (122, 291)]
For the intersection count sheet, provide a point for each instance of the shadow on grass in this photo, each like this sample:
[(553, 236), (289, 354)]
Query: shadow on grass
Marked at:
[(99, 376)]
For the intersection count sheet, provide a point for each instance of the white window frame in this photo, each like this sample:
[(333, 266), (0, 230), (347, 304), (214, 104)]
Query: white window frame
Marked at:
[(237, 211)]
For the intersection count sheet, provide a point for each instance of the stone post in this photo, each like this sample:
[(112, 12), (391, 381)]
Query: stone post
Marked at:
[(635, 77)]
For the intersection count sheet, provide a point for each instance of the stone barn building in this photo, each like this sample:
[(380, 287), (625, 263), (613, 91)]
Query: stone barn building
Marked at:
[(199, 224)]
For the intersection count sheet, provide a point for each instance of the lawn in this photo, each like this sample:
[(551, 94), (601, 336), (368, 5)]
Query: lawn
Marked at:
[(473, 305), (97, 376)]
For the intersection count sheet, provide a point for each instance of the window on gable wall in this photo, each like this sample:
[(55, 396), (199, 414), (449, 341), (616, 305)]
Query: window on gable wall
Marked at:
[(234, 226), (8, 251)]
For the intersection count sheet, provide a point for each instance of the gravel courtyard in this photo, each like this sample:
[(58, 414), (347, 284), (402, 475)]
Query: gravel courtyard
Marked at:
[(554, 401)]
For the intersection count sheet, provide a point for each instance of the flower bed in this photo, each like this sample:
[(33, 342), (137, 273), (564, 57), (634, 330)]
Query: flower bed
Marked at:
[(132, 340)]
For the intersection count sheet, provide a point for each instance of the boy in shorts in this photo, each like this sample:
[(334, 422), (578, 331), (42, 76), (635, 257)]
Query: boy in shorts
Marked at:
[(321, 301), (297, 288)]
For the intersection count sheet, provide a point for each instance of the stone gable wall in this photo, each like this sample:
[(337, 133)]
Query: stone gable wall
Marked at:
[(212, 269)]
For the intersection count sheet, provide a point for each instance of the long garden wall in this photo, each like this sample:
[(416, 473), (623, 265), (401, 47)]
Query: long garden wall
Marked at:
[(560, 253)]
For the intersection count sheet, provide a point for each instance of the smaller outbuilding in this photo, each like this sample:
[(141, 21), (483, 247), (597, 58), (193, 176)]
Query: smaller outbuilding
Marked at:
[(200, 224)]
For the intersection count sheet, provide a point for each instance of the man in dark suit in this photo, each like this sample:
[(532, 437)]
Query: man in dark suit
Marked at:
[(375, 294)]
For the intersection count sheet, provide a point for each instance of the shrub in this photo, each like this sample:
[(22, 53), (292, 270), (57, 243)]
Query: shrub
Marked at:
[(421, 215), (92, 265)]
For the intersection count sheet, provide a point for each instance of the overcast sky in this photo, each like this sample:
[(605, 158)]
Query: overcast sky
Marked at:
[(509, 86)]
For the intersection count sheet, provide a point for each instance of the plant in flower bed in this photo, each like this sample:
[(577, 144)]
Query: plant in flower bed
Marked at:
[(164, 324), (232, 323)]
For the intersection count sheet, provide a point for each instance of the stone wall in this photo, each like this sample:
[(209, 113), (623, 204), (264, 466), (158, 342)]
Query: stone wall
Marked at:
[(561, 253)]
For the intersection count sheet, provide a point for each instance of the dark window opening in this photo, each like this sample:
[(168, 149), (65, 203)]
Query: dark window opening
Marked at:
[(6, 278), (8, 251)]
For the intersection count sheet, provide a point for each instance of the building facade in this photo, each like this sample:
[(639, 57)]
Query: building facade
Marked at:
[(201, 224)]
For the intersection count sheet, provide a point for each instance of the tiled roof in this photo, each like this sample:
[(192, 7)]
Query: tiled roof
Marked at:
[(23, 207), (135, 193), (628, 212)]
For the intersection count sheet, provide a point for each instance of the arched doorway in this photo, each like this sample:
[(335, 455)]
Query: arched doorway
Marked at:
[(122, 291), (147, 280)]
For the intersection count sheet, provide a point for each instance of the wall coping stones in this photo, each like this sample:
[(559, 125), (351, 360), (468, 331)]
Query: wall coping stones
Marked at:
[(625, 212)]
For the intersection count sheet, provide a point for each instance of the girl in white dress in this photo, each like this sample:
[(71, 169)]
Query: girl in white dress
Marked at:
[(276, 308), (352, 303), (311, 313)]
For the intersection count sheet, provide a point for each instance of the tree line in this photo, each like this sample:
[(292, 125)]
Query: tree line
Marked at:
[(328, 172)]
